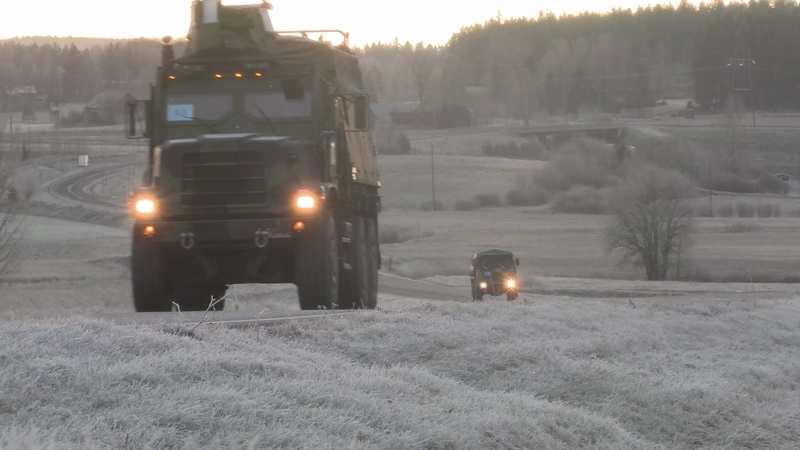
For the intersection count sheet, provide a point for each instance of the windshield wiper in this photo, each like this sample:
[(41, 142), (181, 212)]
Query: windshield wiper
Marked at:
[(204, 122), (266, 118)]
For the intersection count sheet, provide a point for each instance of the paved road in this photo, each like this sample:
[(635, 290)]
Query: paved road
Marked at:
[(405, 287), (81, 186)]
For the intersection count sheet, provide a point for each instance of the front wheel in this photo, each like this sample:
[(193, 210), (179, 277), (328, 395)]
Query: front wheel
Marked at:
[(317, 264), (353, 282), (201, 296), (477, 295), (151, 289), (372, 263)]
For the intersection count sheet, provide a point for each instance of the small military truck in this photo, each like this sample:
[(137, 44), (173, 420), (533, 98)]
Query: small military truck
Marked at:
[(261, 168), (494, 272)]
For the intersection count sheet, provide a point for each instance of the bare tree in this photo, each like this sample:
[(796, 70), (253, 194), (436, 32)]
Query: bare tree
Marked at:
[(652, 223), (10, 221), (422, 62)]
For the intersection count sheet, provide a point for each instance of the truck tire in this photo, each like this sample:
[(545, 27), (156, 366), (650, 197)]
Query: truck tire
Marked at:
[(317, 264), (197, 296), (151, 289), (353, 285), (477, 295), (373, 262)]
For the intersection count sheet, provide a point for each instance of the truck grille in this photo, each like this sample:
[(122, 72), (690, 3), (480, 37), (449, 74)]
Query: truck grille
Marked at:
[(222, 179)]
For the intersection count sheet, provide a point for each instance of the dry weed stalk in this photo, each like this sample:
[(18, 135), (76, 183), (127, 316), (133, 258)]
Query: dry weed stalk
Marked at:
[(10, 220)]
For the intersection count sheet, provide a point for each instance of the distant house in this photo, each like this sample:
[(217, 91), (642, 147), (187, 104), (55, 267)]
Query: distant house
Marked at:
[(23, 98), (107, 108), (68, 111), (24, 92), (385, 112)]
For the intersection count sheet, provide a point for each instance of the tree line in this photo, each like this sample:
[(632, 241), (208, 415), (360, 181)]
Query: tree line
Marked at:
[(63, 73), (605, 62), (513, 68)]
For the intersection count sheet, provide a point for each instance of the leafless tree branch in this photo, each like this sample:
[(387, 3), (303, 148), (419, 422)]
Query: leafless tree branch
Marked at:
[(10, 221), (651, 220)]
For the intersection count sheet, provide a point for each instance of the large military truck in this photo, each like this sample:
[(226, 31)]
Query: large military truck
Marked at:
[(261, 168)]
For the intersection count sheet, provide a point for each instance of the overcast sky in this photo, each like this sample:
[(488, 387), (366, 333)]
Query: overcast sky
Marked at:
[(429, 21)]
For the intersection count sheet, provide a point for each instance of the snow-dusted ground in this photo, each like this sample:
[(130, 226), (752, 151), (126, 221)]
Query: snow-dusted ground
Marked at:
[(543, 372), (573, 363), (697, 366), (632, 288)]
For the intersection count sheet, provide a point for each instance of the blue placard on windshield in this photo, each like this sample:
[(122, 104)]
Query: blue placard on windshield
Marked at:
[(180, 113)]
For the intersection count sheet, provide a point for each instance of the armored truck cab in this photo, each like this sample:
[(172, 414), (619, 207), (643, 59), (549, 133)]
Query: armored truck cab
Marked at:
[(493, 272), (261, 169)]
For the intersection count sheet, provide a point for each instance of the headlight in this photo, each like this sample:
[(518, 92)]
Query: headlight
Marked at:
[(305, 200), (483, 285), (145, 206), (511, 283)]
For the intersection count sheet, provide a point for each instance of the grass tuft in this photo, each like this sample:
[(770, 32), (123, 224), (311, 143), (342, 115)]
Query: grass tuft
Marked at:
[(579, 200), (394, 234), (488, 200)]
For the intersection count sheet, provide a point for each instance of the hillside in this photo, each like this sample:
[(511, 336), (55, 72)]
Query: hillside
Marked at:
[(714, 371), (572, 363)]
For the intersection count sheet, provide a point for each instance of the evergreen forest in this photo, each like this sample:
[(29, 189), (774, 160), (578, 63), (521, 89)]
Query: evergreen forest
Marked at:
[(708, 53)]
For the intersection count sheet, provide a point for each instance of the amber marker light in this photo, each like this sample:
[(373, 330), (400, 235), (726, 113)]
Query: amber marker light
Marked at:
[(149, 230), (305, 200), (219, 75), (258, 74), (237, 75), (299, 226), (172, 77)]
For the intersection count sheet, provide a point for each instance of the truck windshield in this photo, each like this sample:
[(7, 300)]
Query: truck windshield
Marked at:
[(262, 99), (285, 98), (189, 107), (275, 104), (497, 262)]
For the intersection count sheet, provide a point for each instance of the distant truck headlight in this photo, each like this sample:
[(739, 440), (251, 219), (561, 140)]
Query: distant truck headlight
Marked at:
[(145, 206), (306, 200), (483, 285), (511, 283)]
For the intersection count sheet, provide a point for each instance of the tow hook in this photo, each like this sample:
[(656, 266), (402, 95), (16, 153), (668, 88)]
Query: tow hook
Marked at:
[(262, 237), (187, 240)]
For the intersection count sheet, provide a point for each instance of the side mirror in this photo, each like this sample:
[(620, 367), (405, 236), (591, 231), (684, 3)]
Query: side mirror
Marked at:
[(137, 114), (362, 112), (517, 261)]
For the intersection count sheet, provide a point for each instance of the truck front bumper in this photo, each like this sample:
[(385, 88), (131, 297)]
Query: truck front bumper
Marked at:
[(256, 232)]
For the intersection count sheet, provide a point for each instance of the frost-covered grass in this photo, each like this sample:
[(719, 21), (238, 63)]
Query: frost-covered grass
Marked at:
[(573, 245), (540, 372), (406, 180), (707, 370)]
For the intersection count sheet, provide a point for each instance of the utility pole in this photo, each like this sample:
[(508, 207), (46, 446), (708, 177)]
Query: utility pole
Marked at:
[(564, 93), (747, 62), (11, 131), (433, 183), (710, 204)]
